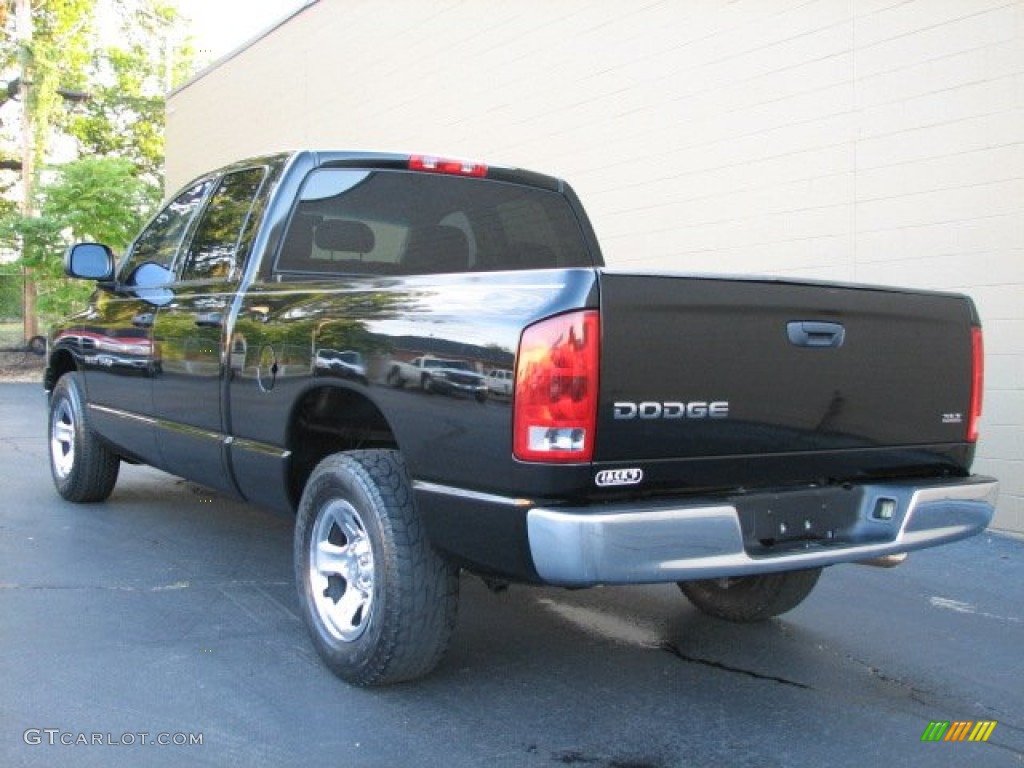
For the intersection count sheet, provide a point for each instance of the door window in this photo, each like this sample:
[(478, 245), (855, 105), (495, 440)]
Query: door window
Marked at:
[(216, 252), (159, 242)]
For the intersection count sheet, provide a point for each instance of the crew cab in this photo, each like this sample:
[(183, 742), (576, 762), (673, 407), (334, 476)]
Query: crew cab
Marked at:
[(734, 435)]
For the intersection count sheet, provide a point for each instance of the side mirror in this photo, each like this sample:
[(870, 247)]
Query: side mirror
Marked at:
[(89, 261), (148, 282)]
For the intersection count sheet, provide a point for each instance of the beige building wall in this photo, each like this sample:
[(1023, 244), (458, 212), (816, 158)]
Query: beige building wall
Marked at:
[(877, 141)]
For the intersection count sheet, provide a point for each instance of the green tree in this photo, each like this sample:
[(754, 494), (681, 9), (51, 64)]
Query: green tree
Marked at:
[(127, 83), (122, 121), (42, 51), (10, 294), (54, 60), (98, 198)]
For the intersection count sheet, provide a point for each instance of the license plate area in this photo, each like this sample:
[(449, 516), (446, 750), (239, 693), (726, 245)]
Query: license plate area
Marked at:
[(774, 522)]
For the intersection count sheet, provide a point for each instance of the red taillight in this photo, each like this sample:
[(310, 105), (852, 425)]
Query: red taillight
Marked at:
[(446, 165), (555, 406), (977, 383)]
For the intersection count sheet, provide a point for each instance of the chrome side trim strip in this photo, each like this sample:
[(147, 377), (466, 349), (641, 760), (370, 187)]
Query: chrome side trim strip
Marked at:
[(123, 414), (462, 493), (193, 432), (252, 446), (235, 443)]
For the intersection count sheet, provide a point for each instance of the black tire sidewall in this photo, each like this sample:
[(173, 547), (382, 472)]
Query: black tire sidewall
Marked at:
[(389, 650), (94, 468), (65, 391), (345, 482), (415, 590)]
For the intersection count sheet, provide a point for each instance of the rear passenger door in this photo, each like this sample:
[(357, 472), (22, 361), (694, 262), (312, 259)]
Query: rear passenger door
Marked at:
[(189, 333)]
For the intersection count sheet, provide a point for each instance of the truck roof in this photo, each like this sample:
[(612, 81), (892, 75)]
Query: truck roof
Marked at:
[(434, 164), (427, 163)]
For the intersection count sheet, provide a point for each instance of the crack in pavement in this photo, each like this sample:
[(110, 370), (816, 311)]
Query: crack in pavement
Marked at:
[(11, 443), (922, 696), (678, 652)]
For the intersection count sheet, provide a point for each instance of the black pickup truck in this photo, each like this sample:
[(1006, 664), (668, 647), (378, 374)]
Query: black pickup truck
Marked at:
[(732, 435)]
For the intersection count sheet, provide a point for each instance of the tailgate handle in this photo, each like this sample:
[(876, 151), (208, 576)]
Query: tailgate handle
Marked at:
[(811, 333)]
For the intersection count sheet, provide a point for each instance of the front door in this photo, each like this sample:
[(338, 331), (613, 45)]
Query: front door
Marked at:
[(115, 337)]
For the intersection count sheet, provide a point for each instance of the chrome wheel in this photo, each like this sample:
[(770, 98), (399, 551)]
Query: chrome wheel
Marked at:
[(378, 600), (341, 571), (83, 467), (62, 438)]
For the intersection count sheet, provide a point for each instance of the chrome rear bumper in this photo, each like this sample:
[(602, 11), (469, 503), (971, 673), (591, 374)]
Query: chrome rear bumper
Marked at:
[(659, 542)]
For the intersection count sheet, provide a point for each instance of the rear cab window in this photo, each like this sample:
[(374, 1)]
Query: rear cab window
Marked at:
[(391, 222)]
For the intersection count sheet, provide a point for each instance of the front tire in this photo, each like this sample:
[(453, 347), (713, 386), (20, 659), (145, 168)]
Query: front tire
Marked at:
[(751, 598), (378, 600), (84, 469)]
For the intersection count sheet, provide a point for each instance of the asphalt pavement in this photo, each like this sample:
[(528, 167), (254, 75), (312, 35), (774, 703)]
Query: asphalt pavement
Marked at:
[(161, 628)]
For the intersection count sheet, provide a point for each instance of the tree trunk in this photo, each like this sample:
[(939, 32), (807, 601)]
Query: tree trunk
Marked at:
[(23, 22), (30, 320)]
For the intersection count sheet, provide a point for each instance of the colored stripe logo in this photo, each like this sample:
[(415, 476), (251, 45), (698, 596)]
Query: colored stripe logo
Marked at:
[(958, 730)]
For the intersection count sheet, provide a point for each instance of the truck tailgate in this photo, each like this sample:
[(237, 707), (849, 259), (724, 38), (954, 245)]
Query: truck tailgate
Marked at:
[(698, 368)]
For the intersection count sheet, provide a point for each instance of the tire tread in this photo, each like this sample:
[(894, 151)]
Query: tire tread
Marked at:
[(752, 598), (421, 607)]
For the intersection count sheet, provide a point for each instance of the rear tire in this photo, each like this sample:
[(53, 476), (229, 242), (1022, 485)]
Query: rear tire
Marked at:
[(379, 602), (751, 598), (84, 469)]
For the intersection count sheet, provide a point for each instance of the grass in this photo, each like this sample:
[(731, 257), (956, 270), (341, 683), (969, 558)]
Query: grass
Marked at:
[(11, 334)]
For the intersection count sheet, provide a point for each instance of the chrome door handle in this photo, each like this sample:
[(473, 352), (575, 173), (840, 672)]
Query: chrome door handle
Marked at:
[(814, 333)]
